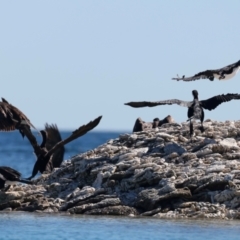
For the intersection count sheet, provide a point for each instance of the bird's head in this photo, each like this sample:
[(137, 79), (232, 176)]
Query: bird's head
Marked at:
[(195, 93)]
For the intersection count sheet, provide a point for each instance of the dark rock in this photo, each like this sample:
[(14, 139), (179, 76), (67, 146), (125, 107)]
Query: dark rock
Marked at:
[(114, 210), (149, 199)]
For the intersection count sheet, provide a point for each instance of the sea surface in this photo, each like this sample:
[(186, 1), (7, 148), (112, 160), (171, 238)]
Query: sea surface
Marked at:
[(17, 153)]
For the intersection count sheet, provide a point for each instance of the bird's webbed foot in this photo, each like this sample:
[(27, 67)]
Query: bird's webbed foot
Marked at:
[(222, 76)]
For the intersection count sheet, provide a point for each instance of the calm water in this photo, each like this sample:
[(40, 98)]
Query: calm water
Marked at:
[(42, 226), (17, 153)]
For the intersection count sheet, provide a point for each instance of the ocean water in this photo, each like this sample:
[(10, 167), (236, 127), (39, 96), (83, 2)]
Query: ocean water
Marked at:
[(18, 153), (43, 226)]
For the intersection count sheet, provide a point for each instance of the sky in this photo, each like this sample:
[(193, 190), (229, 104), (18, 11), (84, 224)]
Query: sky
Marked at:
[(68, 62)]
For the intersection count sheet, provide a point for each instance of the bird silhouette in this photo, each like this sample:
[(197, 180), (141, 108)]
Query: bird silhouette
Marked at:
[(195, 107), (50, 137), (224, 73), (11, 118), (10, 176), (45, 162)]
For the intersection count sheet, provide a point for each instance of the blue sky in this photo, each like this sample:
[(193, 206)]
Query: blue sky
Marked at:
[(67, 62)]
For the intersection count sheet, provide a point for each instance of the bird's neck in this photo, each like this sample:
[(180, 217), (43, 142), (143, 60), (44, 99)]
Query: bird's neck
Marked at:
[(44, 139)]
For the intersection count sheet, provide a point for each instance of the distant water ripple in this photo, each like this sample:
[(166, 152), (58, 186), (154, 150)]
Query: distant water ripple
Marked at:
[(44, 226)]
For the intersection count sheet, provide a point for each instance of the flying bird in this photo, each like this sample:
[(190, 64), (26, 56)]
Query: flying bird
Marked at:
[(10, 176), (195, 107), (45, 157), (224, 73), (11, 118)]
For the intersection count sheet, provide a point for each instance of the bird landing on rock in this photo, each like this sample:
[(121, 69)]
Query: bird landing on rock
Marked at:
[(45, 156)]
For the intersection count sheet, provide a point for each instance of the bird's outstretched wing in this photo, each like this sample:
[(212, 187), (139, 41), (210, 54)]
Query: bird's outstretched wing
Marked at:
[(6, 116), (10, 173), (53, 137), (210, 74), (153, 104), (15, 114), (213, 102), (75, 134), (31, 138)]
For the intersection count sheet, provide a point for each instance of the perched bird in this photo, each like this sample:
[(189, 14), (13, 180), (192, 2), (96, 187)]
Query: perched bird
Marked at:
[(45, 157), (141, 125), (224, 73), (10, 176), (156, 122), (11, 118), (195, 107)]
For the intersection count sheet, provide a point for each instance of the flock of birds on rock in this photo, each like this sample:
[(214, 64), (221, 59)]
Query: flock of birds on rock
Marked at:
[(195, 107), (50, 152)]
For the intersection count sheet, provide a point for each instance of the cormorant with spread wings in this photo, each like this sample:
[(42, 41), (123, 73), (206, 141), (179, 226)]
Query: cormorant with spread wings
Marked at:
[(195, 107), (45, 157), (224, 73)]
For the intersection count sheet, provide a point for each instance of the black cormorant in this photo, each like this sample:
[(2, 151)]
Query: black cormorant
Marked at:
[(141, 125), (224, 73), (45, 157), (50, 137), (195, 107)]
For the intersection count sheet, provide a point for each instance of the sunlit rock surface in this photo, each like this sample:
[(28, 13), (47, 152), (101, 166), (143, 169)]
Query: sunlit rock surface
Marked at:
[(158, 173)]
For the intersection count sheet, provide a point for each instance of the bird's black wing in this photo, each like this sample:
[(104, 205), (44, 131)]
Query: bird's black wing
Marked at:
[(213, 102), (209, 74), (53, 137), (11, 117), (153, 104), (18, 115), (10, 173), (6, 116), (75, 134), (228, 69)]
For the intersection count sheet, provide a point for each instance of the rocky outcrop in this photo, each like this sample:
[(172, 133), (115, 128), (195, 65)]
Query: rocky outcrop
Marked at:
[(159, 173)]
